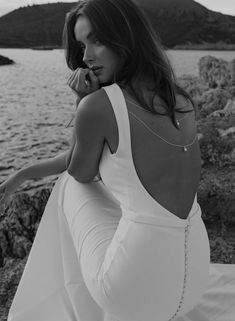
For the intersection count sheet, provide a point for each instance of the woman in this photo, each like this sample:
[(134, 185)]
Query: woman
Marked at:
[(131, 246)]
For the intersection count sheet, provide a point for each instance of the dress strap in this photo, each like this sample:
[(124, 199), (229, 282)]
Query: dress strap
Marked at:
[(183, 147), (118, 103)]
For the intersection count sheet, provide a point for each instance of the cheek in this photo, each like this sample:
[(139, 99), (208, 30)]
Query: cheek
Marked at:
[(114, 62), (108, 57), (100, 52)]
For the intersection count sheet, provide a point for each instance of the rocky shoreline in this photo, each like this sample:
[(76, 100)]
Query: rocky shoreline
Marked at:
[(206, 46), (5, 61), (214, 94)]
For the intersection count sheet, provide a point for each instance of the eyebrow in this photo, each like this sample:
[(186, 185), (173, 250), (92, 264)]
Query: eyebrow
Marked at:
[(89, 36)]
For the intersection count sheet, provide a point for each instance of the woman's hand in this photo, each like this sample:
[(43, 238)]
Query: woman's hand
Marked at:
[(10, 186), (83, 82)]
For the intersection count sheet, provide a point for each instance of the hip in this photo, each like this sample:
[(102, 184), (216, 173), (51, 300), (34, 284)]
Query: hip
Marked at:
[(154, 271)]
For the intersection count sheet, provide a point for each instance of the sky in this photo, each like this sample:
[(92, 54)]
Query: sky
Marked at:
[(224, 6)]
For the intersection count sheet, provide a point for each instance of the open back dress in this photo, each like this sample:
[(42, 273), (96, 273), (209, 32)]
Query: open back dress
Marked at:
[(108, 251)]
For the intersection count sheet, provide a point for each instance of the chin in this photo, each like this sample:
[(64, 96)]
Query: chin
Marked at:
[(105, 82)]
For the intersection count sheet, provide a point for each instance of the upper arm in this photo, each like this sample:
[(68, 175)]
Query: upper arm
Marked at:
[(72, 142), (89, 132)]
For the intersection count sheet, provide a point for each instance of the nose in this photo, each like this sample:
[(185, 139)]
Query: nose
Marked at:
[(88, 55)]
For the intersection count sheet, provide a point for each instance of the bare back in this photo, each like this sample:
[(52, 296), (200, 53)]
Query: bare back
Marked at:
[(168, 174)]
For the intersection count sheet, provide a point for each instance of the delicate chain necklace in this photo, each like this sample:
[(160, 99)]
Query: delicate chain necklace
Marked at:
[(184, 147), (177, 120)]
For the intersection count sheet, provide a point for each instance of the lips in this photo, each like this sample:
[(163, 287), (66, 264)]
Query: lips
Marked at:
[(95, 67), (96, 70)]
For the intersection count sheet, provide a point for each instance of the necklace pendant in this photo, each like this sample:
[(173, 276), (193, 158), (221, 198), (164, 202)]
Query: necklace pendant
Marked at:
[(185, 149)]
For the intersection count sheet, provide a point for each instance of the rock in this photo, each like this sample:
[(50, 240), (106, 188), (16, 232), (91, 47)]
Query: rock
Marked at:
[(19, 223), (1, 256), (10, 276), (18, 226), (40, 198), (20, 246), (231, 66), (221, 250), (193, 85), (4, 244), (216, 149), (231, 90), (215, 196), (5, 61), (217, 72), (212, 100), (226, 132), (228, 110), (45, 47)]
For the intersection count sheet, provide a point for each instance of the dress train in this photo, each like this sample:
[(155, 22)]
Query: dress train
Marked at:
[(52, 286)]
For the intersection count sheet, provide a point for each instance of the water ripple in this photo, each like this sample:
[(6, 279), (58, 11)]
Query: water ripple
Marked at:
[(36, 105)]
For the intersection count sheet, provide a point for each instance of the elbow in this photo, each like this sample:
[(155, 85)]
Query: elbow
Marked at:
[(77, 176), (73, 174)]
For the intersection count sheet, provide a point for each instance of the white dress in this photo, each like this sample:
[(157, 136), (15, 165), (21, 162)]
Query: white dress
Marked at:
[(107, 251)]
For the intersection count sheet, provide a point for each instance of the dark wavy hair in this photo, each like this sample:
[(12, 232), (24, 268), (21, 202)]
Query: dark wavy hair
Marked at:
[(123, 27)]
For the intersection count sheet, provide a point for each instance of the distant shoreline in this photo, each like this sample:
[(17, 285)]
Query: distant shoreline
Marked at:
[(206, 47)]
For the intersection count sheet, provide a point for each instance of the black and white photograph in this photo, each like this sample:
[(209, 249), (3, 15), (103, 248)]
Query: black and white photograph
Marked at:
[(117, 149)]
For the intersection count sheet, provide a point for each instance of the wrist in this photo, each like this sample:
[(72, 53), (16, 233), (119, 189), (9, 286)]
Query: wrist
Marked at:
[(21, 175)]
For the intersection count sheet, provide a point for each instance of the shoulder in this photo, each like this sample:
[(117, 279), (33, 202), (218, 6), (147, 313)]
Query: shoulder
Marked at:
[(91, 110), (94, 105), (91, 105), (95, 111)]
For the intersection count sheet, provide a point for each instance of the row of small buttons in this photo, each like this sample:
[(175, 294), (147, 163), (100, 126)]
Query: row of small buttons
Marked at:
[(185, 271)]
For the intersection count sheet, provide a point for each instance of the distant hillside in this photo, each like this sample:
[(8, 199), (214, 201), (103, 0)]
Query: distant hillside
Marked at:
[(178, 22), (34, 25)]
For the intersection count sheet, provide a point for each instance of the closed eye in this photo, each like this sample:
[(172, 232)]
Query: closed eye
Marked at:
[(92, 38), (95, 40), (81, 45)]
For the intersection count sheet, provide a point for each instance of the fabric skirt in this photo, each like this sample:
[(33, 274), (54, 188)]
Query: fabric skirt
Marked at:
[(80, 267)]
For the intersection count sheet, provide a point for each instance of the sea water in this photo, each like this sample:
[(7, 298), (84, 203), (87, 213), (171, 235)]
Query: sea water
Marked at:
[(36, 104)]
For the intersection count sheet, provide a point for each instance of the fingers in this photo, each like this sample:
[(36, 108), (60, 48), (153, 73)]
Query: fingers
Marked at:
[(79, 72), (83, 81), (87, 83), (94, 79), (77, 80), (92, 83), (77, 84), (87, 80), (73, 75)]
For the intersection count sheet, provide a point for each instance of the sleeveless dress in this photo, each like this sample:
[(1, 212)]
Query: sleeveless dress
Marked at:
[(107, 251)]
